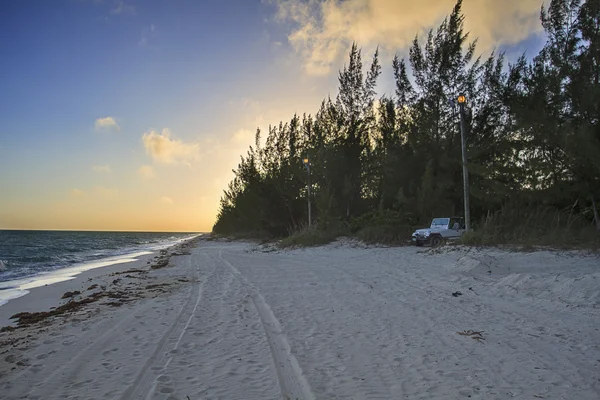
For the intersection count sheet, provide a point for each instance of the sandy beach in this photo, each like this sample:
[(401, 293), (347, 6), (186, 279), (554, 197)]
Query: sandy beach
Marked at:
[(229, 320)]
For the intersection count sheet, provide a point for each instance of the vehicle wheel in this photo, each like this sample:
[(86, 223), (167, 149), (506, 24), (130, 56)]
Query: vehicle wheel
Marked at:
[(419, 244), (436, 241)]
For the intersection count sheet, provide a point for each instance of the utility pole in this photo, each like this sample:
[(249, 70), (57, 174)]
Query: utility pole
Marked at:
[(306, 162), (461, 104)]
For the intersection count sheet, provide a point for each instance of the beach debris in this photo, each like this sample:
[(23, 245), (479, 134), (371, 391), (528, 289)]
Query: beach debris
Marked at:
[(157, 287), (116, 281), (456, 294), (94, 286), (477, 335), (161, 263), (30, 318), (130, 271), (70, 295), (115, 303)]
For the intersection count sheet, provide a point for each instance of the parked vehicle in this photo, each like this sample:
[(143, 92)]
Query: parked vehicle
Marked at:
[(441, 229)]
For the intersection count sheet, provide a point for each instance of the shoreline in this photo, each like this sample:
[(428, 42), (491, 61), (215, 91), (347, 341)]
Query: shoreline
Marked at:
[(43, 292), (13, 289)]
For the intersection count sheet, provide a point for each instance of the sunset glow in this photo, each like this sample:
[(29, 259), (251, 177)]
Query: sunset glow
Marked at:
[(130, 115)]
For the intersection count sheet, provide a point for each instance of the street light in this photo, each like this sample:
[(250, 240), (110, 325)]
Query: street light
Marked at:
[(461, 104), (306, 163)]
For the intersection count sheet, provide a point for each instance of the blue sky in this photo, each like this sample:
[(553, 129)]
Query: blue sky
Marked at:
[(131, 114)]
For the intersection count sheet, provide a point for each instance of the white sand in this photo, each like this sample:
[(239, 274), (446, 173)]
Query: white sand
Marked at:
[(336, 322)]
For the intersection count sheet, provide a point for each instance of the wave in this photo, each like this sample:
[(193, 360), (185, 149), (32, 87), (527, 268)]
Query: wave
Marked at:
[(26, 254)]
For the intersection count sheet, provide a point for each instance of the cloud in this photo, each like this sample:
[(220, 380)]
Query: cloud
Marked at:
[(123, 8), (146, 172), (105, 193), (148, 36), (102, 168), (323, 30), (243, 137), (76, 193), (107, 123), (165, 200), (165, 150)]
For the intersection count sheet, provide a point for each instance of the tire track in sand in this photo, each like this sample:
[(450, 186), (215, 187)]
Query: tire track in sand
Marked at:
[(145, 383), (294, 385)]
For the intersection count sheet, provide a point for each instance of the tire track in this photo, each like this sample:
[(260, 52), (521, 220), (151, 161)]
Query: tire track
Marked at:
[(144, 385), (83, 356), (294, 385)]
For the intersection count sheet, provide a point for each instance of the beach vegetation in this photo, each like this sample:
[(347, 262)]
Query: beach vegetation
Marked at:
[(381, 166)]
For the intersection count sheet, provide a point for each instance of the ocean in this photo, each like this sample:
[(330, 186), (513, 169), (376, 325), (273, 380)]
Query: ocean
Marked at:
[(28, 255)]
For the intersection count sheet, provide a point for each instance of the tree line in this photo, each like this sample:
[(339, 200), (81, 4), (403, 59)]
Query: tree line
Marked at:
[(532, 133)]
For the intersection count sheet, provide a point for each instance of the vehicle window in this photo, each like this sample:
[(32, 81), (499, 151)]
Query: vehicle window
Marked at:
[(440, 221)]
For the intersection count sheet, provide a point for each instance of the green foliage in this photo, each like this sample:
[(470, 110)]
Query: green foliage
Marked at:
[(383, 218), (532, 136), (534, 226), (314, 236)]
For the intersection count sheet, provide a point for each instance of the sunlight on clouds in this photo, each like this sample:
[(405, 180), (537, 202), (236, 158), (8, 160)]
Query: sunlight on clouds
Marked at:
[(102, 168), (324, 29), (165, 150), (165, 200), (243, 137), (146, 172), (107, 123)]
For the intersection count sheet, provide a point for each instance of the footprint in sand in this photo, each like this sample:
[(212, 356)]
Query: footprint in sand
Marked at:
[(107, 352)]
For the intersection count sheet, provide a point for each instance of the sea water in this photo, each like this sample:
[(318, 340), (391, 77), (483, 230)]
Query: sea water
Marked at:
[(28, 258)]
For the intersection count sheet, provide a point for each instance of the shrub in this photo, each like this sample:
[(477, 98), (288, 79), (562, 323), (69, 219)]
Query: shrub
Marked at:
[(541, 226), (313, 236)]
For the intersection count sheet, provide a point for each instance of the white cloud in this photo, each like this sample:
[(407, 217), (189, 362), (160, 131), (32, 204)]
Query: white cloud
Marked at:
[(123, 8), (323, 30), (102, 168), (76, 192), (107, 123), (166, 150), (148, 36), (146, 172), (165, 200)]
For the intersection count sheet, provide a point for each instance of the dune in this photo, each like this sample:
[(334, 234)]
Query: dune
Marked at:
[(230, 320)]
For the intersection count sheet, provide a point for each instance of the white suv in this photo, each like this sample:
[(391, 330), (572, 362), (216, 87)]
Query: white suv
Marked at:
[(441, 229)]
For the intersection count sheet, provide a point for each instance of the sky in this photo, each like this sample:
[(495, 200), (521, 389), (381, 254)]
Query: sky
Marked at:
[(130, 115)]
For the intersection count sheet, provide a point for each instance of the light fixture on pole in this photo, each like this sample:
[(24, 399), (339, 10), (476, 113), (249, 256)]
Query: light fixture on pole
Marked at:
[(461, 104), (306, 163)]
